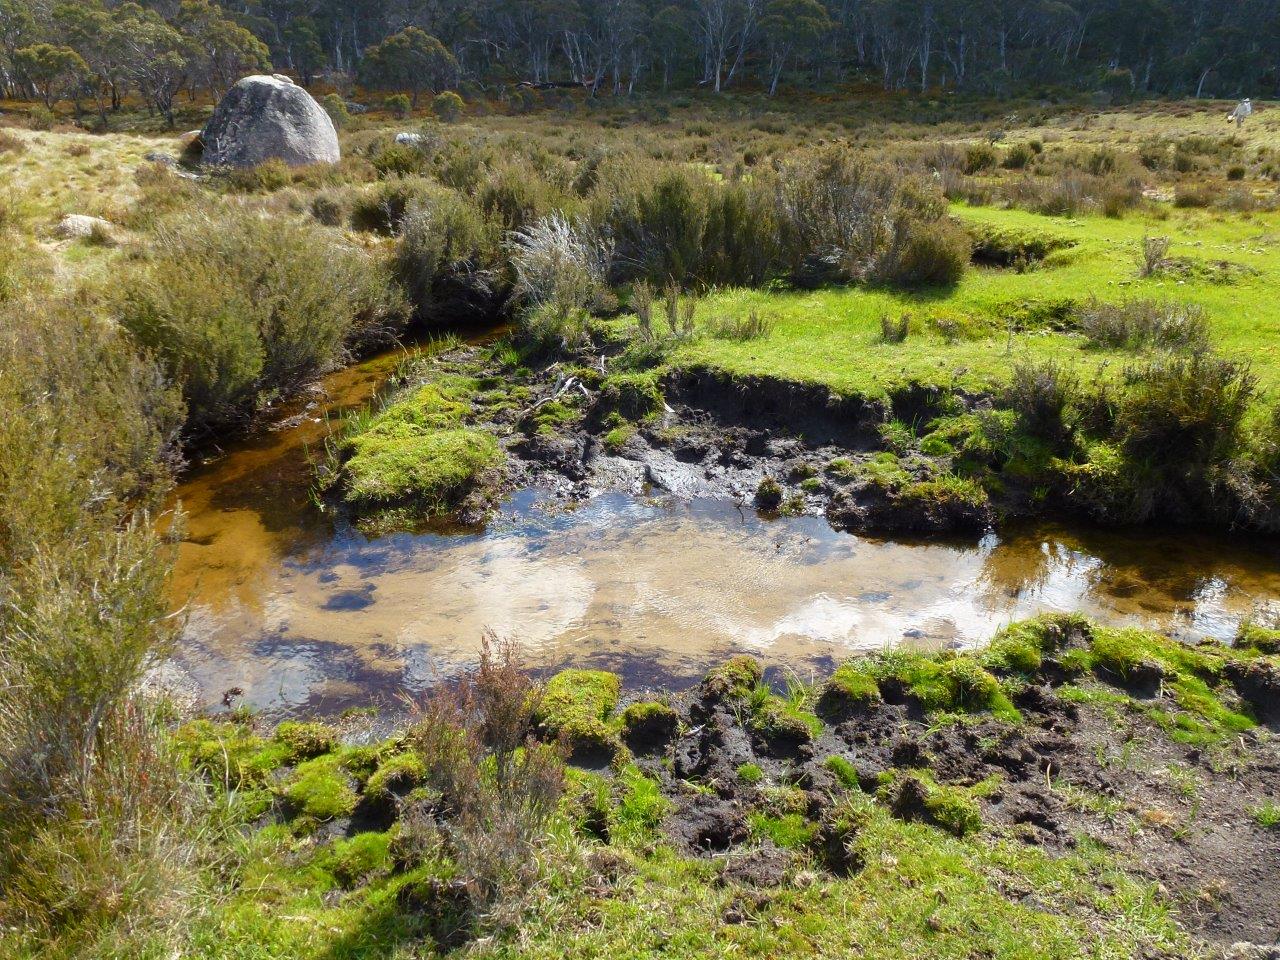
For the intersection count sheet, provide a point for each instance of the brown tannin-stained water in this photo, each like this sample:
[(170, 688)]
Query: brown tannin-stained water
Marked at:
[(306, 614)]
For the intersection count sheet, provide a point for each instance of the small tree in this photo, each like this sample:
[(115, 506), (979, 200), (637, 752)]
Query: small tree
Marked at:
[(410, 60), (306, 53), (336, 107), (397, 105), (53, 71), (159, 56), (447, 106), (222, 50), (792, 28)]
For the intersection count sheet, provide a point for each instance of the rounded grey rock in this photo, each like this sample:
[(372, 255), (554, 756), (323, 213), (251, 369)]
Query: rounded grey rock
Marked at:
[(269, 118)]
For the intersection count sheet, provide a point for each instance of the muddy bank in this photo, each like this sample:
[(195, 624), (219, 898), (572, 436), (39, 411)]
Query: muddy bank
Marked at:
[(1075, 770), (1120, 750)]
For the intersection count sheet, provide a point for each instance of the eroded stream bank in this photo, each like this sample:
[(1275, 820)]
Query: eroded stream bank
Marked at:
[(302, 612)]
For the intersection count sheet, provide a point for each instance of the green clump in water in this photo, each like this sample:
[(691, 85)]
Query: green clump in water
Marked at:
[(951, 684), (734, 679), (851, 686)]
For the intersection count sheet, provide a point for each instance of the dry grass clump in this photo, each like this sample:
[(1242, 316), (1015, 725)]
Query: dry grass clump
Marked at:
[(1134, 324), (492, 788)]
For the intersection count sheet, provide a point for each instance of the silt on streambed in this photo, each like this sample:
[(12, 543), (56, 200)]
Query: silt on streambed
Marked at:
[(307, 614)]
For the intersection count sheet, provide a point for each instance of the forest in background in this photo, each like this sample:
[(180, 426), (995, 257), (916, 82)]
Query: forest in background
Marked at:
[(96, 53)]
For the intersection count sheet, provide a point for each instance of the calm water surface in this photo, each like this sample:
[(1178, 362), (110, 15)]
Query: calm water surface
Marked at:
[(307, 614)]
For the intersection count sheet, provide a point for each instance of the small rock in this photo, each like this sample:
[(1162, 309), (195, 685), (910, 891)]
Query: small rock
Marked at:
[(75, 226)]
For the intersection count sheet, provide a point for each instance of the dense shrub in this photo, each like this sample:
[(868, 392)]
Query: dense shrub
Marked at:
[(559, 262), (237, 317), (447, 258), (515, 195), (841, 219), (89, 802), (1041, 395), (392, 159), (936, 253), (382, 208), (492, 791), (1185, 412), (336, 107), (675, 224), (1018, 156), (447, 106), (398, 105), (979, 157)]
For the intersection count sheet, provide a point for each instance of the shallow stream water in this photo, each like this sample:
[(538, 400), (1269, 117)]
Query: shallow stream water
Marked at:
[(306, 614)]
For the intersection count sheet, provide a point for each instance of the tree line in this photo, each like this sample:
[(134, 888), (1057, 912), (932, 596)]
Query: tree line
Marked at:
[(94, 52)]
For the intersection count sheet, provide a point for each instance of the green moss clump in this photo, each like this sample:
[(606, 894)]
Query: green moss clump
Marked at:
[(750, 773), (791, 831), (356, 859), (1018, 648), (768, 493), (843, 467), (321, 789), (850, 687), (884, 470), (552, 418), (917, 796), (945, 491), (636, 396), (230, 753), (305, 740), (843, 771), (444, 403), (397, 773), (951, 684), (576, 705), (776, 718), (617, 438), (734, 679), (1120, 652), (1259, 639), (649, 719), (397, 461)]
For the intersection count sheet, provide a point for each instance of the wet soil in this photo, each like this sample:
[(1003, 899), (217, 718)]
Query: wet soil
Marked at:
[(717, 437), (1180, 815)]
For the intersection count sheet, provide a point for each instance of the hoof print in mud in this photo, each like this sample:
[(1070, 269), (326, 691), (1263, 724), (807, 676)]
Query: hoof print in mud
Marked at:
[(763, 866), (707, 824)]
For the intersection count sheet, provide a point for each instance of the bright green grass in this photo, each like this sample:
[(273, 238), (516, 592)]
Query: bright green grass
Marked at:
[(923, 892), (833, 336)]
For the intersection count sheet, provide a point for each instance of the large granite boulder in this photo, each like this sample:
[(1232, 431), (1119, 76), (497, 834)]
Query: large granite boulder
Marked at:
[(265, 118)]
